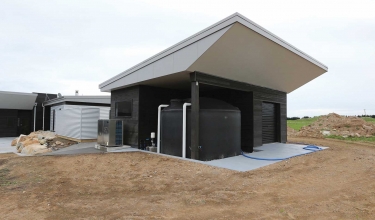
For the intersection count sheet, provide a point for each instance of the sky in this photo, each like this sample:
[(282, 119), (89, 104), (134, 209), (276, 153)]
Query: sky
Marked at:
[(63, 46)]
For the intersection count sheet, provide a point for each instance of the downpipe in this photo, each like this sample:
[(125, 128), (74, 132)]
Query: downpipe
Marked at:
[(184, 129), (159, 127), (43, 114), (35, 114)]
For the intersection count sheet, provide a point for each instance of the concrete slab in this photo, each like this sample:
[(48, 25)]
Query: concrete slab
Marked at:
[(241, 163), (80, 148), (5, 145), (88, 148), (267, 151), (237, 163)]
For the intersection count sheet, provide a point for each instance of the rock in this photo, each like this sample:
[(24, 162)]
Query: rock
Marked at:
[(367, 127), (14, 142), (19, 147), (326, 133), (345, 136), (367, 135), (358, 135), (53, 145), (49, 138), (40, 137), (42, 141), (58, 142), (22, 138), (35, 149), (346, 133)]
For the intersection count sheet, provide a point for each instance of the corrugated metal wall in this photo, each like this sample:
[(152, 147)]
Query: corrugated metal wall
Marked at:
[(104, 111), (89, 123), (79, 123), (68, 123)]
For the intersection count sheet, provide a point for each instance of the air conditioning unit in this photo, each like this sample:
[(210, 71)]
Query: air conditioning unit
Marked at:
[(110, 132)]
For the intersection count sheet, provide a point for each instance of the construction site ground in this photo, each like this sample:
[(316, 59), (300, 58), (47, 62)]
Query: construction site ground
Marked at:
[(337, 183)]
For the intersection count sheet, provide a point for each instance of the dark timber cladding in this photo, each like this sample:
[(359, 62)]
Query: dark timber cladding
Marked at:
[(269, 131), (145, 101), (194, 120), (253, 124)]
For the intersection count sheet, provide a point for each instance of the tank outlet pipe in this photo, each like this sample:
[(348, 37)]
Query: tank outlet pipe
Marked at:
[(35, 113), (184, 129), (159, 127)]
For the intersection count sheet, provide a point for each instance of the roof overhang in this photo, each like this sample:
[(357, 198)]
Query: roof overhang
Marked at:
[(234, 48), (17, 100), (79, 99)]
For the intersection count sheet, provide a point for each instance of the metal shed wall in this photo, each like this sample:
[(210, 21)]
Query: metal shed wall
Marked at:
[(103, 114), (77, 123)]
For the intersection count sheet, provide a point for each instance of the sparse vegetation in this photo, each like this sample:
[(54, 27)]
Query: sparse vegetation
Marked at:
[(298, 124), (362, 139), (369, 119)]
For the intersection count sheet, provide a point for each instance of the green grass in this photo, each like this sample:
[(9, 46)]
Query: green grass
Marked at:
[(298, 124), (362, 139), (368, 119)]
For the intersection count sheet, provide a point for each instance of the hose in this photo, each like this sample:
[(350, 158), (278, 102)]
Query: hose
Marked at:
[(311, 148)]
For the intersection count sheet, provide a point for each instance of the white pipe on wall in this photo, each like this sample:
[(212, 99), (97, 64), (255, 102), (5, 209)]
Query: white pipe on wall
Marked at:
[(158, 137), (184, 129)]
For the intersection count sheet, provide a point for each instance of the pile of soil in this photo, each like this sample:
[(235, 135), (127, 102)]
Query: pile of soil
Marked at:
[(334, 124), (40, 142)]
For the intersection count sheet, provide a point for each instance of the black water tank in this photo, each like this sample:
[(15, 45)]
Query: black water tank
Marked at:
[(219, 129)]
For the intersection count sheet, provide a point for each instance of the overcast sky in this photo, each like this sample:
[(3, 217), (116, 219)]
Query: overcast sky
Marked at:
[(61, 46)]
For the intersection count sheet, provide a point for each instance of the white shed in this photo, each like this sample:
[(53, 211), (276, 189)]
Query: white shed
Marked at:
[(76, 117)]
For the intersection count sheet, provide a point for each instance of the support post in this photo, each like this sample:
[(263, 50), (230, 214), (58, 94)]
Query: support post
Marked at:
[(194, 119)]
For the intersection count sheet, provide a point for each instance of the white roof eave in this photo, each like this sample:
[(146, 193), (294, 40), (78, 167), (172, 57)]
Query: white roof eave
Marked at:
[(236, 17)]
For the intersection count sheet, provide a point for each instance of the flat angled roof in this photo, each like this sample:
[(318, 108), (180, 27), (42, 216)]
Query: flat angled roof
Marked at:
[(80, 99), (180, 57), (17, 100)]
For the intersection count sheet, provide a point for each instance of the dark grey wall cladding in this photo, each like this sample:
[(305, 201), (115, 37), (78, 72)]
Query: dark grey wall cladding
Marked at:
[(260, 94), (130, 135), (8, 122), (146, 100), (150, 99), (39, 112), (273, 96)]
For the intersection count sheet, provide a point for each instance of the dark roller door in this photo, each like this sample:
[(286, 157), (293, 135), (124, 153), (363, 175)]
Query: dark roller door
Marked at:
[(268, 123)]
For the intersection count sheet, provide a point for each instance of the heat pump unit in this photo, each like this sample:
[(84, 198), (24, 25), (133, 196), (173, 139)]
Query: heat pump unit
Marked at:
[(110, 132)]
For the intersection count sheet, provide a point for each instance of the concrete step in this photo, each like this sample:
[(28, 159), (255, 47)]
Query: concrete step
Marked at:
[(111, 149)]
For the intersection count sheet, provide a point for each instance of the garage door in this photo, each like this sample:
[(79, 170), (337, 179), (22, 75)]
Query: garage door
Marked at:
[(268, 122)]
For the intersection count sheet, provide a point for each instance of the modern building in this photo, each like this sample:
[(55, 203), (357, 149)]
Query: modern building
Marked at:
[(76, 117), (236, 61), (22, 113)]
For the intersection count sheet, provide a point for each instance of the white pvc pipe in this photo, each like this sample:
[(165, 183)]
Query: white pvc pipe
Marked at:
[(184, 129), (158, 137)]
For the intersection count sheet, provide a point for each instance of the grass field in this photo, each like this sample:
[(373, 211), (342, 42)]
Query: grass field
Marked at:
[(369, 119), (298, 124)]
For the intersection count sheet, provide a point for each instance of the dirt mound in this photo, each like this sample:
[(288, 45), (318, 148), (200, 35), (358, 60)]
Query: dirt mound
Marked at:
[(334, 124), (39, 142)]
